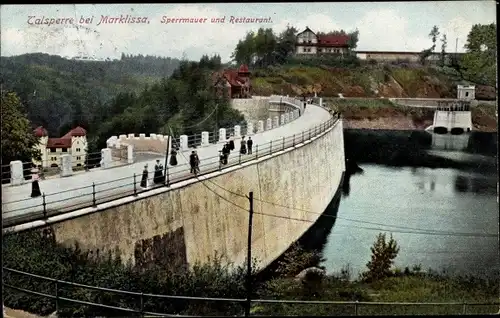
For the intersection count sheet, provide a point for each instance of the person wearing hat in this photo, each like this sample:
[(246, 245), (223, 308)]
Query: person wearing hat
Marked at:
[(35, 186), (144, 180)]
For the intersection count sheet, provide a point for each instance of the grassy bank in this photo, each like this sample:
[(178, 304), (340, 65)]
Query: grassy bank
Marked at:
[(37, 253)]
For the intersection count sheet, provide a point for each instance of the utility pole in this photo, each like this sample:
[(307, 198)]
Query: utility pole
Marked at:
[(249, 257), (165, 172)]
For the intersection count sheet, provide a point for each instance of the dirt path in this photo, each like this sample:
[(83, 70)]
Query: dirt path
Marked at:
[(12, 313)]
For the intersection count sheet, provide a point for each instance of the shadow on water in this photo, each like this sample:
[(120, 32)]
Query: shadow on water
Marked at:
[(314, 239), (398, 148), (352, 169)]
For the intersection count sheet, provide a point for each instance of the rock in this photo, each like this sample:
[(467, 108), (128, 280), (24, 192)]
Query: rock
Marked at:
[(310, 271)]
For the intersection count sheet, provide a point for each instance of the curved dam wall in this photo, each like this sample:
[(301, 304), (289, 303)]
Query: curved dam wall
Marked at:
[(257, 108), (179, 227)]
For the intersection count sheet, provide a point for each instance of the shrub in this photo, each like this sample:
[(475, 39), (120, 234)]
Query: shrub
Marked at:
[(383, 255)]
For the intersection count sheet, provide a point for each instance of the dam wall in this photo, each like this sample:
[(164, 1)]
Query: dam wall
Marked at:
[(199, 220), (258, 108)]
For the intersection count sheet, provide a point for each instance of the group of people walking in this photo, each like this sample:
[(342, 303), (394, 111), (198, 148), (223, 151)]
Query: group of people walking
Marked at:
[(245, 147), (159, 177)]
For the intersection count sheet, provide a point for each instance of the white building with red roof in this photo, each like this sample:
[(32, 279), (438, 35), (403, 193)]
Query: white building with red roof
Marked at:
[(73, 143), (309, 43)]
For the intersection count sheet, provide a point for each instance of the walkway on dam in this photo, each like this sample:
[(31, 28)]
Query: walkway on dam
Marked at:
[(71, 193)]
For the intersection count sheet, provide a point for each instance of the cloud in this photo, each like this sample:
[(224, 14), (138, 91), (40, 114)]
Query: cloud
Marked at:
[(381, 29), (386, 30), (153, 38)]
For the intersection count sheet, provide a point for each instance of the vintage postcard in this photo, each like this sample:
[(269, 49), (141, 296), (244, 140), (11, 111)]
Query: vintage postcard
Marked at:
[(232, 159)]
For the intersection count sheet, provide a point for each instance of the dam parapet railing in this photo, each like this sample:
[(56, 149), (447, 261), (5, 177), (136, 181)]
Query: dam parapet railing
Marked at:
[(121, 150), (91, 195)]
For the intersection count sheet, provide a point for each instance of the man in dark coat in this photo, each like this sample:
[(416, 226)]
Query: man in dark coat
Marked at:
[(225, 152), (194, 162), (249, 145), (231, 144)]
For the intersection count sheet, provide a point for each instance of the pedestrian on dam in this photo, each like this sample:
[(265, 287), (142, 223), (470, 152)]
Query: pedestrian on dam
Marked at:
[(225, 152), (231, 144), (35, 186), (144, 180), (243, 147), (194, 162), (249, 145), (173, 157), (158, 172)]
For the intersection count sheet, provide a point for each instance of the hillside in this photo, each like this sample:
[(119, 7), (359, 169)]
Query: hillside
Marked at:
[(362, 81), (54, 90)]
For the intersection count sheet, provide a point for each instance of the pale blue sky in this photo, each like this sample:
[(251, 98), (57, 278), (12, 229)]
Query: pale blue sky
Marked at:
[(397, 26)]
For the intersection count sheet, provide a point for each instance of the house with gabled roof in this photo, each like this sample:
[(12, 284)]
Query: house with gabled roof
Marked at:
[(233, 83), (309, 43), (73, 143)]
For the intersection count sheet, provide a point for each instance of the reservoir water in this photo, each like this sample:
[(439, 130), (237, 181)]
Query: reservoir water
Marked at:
[(442, 209)]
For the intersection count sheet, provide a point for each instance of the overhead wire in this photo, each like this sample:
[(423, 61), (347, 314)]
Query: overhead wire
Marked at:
[(424, 231), (397, 229)]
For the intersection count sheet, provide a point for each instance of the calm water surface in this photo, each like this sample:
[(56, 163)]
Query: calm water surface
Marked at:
[(443, 200)]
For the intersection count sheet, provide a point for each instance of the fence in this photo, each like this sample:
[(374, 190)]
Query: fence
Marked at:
[(50, 168), (137, 300), (25, 210)]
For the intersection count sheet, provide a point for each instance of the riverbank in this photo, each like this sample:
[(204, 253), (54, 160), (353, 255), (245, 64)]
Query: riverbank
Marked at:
[(383, 114), (37, 253)]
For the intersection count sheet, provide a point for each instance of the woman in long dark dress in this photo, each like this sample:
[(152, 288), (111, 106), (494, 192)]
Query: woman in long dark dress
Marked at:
[(144, 180), (173, 158), (231, 144), (158, 172), (243, 148), (35, 186)]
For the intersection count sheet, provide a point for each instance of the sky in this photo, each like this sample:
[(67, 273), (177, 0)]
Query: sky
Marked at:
[(383, 26)]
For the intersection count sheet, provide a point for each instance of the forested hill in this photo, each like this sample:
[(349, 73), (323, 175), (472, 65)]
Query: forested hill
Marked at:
[(53, 88)]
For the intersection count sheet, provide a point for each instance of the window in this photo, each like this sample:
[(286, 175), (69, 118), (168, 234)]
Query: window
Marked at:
[(52, 149), (78, 158), (53, 158), (319, 50), (64, 149), (309, 41), (466, 94), (77, 149)]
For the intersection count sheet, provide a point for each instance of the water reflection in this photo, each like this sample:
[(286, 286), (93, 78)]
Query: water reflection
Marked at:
[(450, 142), (475, 184)]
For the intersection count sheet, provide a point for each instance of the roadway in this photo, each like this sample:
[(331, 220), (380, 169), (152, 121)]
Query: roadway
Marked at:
[(73, 192)]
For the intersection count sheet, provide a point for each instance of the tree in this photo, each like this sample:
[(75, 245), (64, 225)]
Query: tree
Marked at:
[(444, 43), (18, 140), (479, 63), (353, 40), (434, 36), (383, 255)]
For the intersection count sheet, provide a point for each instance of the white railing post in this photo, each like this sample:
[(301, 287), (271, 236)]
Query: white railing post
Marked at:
[(260, 126), (222, 135), (237, 131), (276, 122), (16, 172), (249, 128), (66, 165), (106, 158), (204, 138), (183, 140), (269, 124)]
